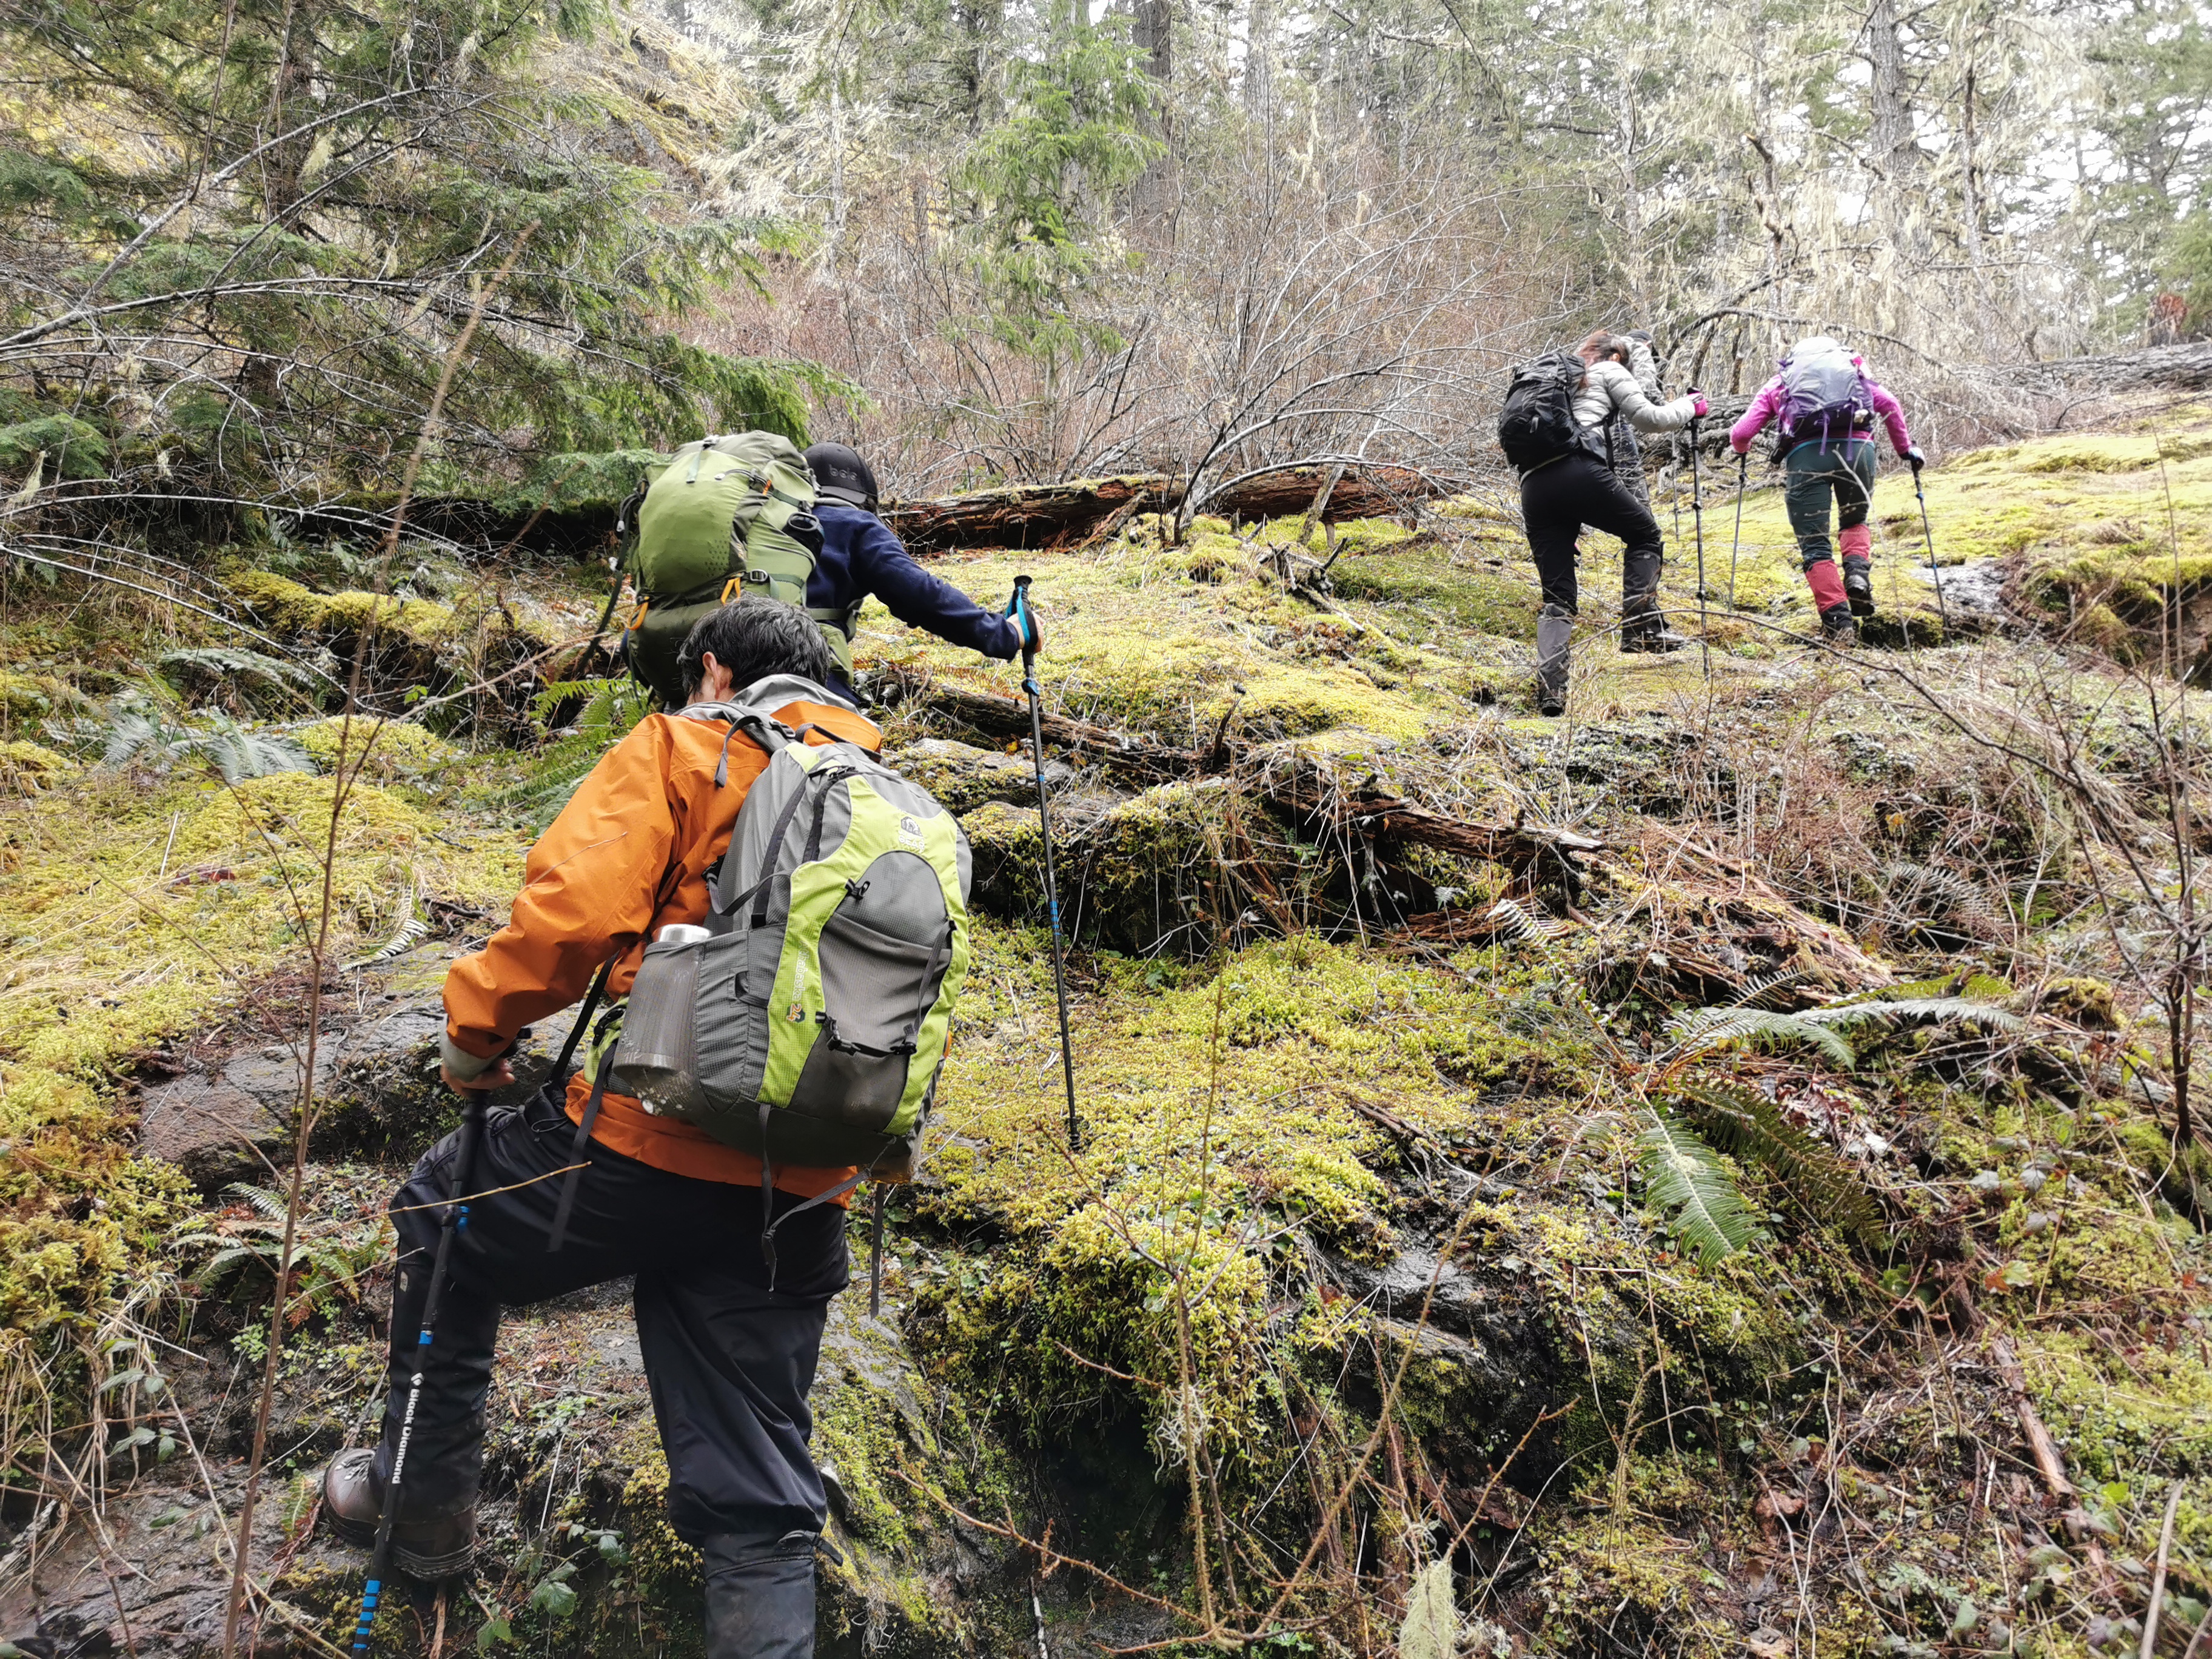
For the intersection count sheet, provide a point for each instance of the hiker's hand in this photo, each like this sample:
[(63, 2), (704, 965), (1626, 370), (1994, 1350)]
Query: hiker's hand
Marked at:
[(1698, 407), (497, 1075), (1915, 459), (1641, 336), (1032, 629)]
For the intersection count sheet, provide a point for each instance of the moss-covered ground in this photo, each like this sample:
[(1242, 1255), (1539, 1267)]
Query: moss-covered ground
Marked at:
[(1365, 1253)]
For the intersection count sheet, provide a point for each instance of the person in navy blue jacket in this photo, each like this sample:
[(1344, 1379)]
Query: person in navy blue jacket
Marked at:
[(860, 556)]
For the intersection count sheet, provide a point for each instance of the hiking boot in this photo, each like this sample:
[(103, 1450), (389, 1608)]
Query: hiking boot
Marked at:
[(428, 1550), (1858, 586), (1839, 626), (1654, 639)]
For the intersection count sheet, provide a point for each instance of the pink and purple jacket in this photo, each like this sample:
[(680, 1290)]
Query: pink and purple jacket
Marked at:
[(1768, 403)]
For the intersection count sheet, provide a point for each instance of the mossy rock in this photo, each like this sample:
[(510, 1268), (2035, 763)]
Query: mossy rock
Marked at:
[(29, 768), (1140, 863), (963, 777)]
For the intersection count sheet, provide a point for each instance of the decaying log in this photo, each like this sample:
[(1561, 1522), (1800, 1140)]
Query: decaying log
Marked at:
[(1301, 788), (1048, 516), (1022, 515)]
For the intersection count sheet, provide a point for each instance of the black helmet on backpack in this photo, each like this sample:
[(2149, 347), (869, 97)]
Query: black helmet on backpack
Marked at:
[(840, 473)]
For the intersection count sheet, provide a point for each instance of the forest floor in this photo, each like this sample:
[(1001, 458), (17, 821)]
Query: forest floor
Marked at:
[(1766, 1229)]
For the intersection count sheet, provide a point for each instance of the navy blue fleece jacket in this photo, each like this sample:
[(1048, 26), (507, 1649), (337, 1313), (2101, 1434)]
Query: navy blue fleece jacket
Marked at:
[(860, 556)]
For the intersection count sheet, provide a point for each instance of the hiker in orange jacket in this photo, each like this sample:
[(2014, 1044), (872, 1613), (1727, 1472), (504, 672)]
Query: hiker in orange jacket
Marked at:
[(729, 1358)]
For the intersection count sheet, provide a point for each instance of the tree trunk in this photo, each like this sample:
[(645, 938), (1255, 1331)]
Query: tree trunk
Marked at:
[(1152, 32), (1259, 61), (1889, 95)]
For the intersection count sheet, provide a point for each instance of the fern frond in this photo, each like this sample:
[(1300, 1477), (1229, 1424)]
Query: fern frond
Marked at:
[(1757, 991), (1909, 1011), (1748, 1126), (1509, 918), (413, 929), (1925, 892), (260, 1200), (129, 734), (237, 753), (230, 662), (1689, 1185), (1706, 1029)]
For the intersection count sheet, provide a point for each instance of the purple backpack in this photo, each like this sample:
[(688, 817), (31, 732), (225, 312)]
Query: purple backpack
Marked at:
[(1824, 395)]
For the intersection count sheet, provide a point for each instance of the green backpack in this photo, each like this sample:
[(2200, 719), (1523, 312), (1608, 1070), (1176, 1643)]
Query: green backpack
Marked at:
[(728, 516)]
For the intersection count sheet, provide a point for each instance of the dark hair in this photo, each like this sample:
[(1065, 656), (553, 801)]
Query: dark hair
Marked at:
[(754, 637)]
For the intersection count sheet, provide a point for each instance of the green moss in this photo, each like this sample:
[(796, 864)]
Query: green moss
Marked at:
[(396, 750), (105, 961), (2110, 1411), (27, 767), (1422, 582), (287, 605)]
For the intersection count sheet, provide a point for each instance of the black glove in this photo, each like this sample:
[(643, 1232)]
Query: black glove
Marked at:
[(1641, 336), (1915, 459)]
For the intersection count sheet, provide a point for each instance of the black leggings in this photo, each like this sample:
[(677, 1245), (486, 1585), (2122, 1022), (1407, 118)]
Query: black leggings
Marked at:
[(1558, 499)]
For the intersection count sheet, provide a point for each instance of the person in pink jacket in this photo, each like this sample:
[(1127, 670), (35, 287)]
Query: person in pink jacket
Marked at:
[(1826, 406)]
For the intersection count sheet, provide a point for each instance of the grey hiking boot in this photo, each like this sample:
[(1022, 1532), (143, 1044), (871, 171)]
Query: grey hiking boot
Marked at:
[(426, 1549), (1654, 639), (1839, 626), (1555, 628), (1858, 585)]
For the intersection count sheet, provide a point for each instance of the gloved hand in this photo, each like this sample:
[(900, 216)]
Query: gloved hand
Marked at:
[(1916, 458), (1698, 407), (1641, 336)]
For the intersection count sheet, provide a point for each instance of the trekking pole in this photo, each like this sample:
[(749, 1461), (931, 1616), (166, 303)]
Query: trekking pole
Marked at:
[(1934, 574), (1742, 475), (1698, 523), (456, 1218), (1019, 609)]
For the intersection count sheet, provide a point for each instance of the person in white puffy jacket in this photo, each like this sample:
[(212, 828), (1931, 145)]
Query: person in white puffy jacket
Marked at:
[(1560, 496)]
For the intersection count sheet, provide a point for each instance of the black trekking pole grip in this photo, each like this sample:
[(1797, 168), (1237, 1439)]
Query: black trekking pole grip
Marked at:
[(1018, 608), (456, 1219)]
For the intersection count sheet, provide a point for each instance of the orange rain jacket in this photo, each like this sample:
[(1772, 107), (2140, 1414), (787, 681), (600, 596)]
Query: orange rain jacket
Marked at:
[(628, 855)]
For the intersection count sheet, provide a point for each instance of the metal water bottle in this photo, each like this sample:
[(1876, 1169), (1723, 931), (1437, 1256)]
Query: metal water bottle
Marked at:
[(657, 1059)]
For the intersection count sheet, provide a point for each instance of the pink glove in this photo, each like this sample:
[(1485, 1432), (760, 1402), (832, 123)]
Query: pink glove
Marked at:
[(1698, 406), (1743, 448)]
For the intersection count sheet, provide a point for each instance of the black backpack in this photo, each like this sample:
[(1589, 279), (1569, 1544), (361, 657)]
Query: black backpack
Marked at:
[(1537, 422)]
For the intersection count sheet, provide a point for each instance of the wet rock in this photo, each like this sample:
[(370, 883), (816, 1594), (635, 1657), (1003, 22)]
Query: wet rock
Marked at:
[(377, 1093), (232, 1124)]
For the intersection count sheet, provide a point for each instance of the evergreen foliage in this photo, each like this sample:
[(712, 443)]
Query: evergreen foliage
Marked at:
[(254, 294)]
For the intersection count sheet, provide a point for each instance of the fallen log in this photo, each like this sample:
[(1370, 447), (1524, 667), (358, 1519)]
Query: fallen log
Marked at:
[(1046, 517)]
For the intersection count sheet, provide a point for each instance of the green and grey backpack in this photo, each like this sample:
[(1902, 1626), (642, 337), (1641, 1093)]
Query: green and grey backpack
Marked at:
[(728, 516), (807, 1020)]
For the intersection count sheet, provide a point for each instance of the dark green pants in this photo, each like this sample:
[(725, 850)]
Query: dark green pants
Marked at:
[(1818, 472)]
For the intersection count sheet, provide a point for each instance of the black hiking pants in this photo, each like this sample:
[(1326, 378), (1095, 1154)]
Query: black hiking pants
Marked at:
[(729, 1360), (1557, 500)]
